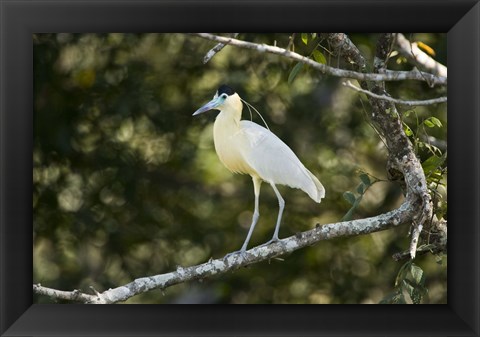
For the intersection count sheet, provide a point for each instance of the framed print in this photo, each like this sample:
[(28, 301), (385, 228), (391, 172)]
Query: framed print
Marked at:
[(108, 107)]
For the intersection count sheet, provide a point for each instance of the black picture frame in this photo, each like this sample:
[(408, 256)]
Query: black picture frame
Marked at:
[(20, 19)]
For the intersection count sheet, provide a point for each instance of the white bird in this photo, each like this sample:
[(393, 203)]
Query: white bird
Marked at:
[(248, 148)]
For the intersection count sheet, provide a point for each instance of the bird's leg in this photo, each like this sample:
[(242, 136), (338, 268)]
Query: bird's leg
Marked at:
[(256, 189), (281, 206)]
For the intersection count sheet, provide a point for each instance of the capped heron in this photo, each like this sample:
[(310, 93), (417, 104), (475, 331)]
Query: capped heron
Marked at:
[(248, 148)]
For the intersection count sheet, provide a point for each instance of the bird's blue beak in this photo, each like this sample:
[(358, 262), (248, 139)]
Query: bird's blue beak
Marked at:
[(209, 106)]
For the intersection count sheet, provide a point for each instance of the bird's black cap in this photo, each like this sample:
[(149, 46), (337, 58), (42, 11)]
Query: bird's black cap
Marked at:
[(225, 89)]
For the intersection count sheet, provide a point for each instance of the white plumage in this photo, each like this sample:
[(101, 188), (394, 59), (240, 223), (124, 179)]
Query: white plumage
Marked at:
[(248, 148), (274, 162)]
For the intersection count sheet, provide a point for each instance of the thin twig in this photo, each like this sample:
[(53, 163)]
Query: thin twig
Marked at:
[(74, 295), (290, 42), (395, 100), (212, 52)]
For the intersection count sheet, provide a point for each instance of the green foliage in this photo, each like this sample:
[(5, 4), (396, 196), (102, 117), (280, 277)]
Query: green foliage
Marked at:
[(432, 122), (304, 38), (433, 158), (355, 200), (409, 286), (296, 69), (408, 131), (317, 55), (432, 166), (350, 197)]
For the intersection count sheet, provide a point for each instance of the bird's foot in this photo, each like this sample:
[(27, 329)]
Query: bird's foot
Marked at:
[(240, 253), (273, 240)]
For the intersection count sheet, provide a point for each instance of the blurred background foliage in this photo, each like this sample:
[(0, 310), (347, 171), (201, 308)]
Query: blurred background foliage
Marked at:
[(127, 184)]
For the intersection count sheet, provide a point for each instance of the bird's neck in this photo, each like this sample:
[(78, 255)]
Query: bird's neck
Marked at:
[(227, 123), (228, 138), (230, 116)]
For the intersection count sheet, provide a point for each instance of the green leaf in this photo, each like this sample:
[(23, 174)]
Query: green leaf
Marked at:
[(436, 121), (294, 72), (365, 179), (391, 298), (350, 197), (407, 130), (402, 273), (432, 122), (408, 287), (428, 123), (417, 274), (433, 149), (417, 295), (361, 188), (432, 163), (400, 299), (305, 38), (319, 57), (415, 291)]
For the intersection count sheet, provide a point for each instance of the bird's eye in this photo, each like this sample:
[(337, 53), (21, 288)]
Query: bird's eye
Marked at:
[(224, 96)]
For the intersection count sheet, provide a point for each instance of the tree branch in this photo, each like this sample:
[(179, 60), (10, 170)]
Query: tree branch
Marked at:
[(401, 154), (417, 57), (337, 72), (395, 100), (384, 115), (400, 216), (74, 295), (212, 52), (344, 47)]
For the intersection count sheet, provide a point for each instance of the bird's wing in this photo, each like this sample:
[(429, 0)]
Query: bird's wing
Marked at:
[(275, 162)]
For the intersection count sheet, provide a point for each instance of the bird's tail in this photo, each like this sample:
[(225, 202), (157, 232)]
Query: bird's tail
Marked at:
[(318, 192)]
